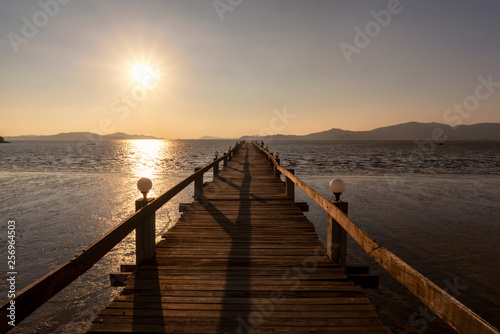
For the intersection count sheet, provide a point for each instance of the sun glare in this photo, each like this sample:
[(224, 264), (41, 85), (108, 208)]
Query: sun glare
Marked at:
[(144, 157), (144, 75)]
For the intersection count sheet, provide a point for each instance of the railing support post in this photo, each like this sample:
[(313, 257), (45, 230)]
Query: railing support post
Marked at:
[(198, 184), (216, 170), (290, 186), (336, 245), (224, 162), (145, 248), (277, 173)]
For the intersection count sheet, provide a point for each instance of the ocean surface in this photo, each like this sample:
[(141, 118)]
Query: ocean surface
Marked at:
[(435, 206)]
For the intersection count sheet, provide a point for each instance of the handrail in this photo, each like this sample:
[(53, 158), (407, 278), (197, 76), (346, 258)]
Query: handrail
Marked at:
[(36, 294), (453, 312)]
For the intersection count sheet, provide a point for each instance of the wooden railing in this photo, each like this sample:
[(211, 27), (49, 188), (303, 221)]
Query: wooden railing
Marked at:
[(36, 294), (454, 313)]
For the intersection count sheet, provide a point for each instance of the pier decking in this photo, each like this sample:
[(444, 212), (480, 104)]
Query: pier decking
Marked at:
[(242, 259)]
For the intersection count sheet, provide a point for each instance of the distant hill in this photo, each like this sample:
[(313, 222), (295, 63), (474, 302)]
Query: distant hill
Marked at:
[(85, 136), (404, 131), (210, 138), (213, 138)]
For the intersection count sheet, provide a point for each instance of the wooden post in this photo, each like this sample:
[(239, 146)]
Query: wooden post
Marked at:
[(224, 162), (336, 245), (216, 169), (276, 172), (290, 186), (145, 248), (198, 184)]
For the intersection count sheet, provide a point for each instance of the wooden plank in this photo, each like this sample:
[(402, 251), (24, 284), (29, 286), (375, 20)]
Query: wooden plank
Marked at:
[(253, 299), (117, 305), (241, 328)]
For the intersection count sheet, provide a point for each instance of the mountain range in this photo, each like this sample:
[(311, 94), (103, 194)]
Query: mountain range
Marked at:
[(84, 136), (405, 131)]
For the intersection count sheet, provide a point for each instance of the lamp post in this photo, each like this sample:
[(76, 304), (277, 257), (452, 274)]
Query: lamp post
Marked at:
[(277, 157), (216, 166), (336, 245), (145, 232)]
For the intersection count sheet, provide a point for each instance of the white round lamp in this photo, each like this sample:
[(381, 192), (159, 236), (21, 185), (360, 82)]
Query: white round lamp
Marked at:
[(144, 185), (337, 186)]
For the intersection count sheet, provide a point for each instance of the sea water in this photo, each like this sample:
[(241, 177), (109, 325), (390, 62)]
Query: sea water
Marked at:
[(435, 206)]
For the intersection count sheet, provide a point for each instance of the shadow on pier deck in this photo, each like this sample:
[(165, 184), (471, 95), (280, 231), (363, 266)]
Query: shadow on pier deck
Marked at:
[(242, 259)]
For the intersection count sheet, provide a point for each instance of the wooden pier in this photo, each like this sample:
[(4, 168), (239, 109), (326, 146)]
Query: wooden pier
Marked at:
[(242, 259)]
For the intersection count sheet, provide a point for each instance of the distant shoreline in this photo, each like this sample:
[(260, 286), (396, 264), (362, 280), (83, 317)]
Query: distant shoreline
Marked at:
[(298, 140)]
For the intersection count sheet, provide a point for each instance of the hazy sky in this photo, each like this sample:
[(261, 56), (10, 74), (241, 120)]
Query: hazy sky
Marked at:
[(235, 67)]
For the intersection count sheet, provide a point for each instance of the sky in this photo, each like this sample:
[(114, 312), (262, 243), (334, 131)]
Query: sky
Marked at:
[(229, 68)]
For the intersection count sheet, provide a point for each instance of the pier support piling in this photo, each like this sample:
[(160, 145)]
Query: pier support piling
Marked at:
[(216, 170), (145, 234), (198, 184), (336, 245), (290, 186), (277, 173)]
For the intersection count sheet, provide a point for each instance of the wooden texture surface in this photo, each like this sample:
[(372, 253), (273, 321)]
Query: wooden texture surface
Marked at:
[(242, 259)]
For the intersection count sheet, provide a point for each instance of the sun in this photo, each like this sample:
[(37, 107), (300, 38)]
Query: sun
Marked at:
[(145, 75)]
